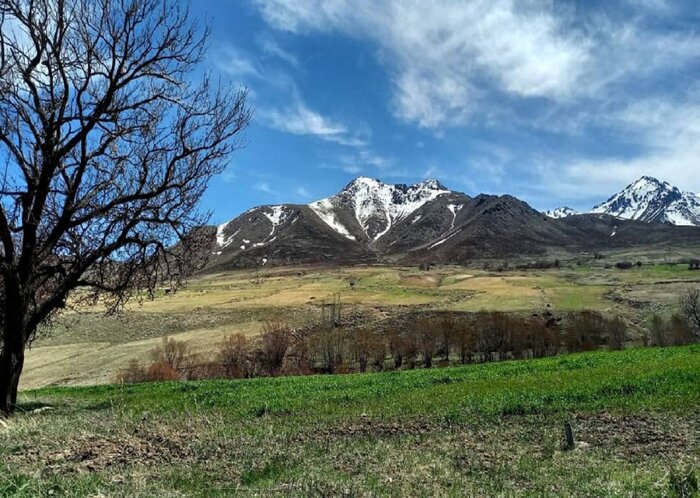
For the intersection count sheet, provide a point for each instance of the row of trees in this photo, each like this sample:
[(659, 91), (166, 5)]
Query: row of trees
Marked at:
[(477, 337), (486, 336)]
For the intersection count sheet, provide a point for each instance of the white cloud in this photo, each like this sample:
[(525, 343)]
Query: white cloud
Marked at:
[(271, 49), (303, 193), (266, 188), (437, 53), (299, 119), (233, 62), (452, 61)]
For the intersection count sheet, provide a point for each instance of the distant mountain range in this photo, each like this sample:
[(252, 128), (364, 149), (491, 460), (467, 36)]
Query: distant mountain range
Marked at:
[(647, 199), (371, 221)]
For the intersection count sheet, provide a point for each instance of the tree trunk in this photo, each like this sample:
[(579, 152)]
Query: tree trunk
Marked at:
[(11, 364)]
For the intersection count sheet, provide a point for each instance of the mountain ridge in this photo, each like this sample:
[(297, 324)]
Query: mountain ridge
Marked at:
[(372, 221), (646, 199)]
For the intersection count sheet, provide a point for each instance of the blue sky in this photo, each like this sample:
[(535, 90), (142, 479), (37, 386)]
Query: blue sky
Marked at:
[(555, 102)]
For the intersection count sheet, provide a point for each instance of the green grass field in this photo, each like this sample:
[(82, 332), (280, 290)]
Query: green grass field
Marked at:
[(489, 429)]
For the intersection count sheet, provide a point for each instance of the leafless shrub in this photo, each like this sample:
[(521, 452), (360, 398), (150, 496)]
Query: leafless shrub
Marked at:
[(133, 373), (328, 347), (689, 304), (234, 356), (157, 371), (584, 331), (396, 347), (617, 333), (361, 347), (299, 358), (160, 371), (275, 340), (427, 333), (464, 341), (171, 352)]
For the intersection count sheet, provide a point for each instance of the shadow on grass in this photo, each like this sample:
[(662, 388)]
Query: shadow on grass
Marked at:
[(34, 405)]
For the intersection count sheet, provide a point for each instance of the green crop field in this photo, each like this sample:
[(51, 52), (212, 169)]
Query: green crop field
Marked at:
[(489, 429)]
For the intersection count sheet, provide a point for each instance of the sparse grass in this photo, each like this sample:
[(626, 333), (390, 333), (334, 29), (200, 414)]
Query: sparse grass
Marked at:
[(491, 429)]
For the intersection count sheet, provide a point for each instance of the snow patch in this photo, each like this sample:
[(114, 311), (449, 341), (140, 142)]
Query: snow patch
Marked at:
[(454, 209), (221, 239), (561, 212), (324, 210), (445, 239)]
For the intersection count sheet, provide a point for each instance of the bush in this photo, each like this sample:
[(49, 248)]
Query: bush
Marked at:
[(156, 371), (328, 346), (234, 357), (584, 331), (160, 371), (171, 353), (689, 304), (275, 339), (426, 334), (396, 347), (299, 357), (133, 373), (464, 341), (617, 333)]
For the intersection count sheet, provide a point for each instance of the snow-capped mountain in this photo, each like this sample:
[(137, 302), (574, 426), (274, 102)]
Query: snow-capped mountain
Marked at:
[(651, 200), (351, 223), (375, 206), (369, 221), (561, 212)]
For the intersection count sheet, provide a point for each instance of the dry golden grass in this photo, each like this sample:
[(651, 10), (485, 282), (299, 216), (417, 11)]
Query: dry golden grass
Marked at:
[(94, 349)]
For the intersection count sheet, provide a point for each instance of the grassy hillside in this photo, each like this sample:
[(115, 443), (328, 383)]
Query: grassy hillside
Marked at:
[(88, 348), (473, 430)]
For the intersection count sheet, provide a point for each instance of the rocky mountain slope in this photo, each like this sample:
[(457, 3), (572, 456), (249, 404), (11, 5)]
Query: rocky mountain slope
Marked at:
[(371, 221), (647, 199)]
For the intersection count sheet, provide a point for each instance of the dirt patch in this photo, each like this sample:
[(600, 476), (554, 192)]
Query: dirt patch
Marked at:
[(639, 436), (96, 453), (627, 437), (368, 427)]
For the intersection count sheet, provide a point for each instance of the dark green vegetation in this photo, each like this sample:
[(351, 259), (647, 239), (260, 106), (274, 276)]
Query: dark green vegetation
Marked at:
[(480, 429)]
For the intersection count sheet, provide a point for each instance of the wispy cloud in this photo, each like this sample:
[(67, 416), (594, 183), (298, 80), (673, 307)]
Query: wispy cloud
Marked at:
[(266, 188), (456, 62), (303, 193), (272, 49), (437, 55), (299, 119), (234, 62)]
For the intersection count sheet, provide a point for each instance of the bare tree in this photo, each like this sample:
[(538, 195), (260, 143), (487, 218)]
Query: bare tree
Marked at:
[(107, 145), (689, 302)]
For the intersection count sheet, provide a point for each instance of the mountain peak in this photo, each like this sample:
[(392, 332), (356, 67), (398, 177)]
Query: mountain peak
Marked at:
[(649, 199), (431, 184), (376, 206), (369, 182), (561, 212)]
